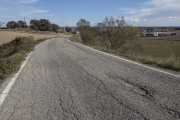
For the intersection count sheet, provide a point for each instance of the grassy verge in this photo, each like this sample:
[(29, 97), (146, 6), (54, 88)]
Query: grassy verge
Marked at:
[(76, 38), (165, 54), (13, 53)]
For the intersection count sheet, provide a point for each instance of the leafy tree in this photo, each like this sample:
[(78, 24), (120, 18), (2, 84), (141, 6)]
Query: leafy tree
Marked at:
[(34, 27), (11, 24), (34, 24), (116, 31), (55, 27), (68, 29), (21, 24), (82, 23), (44, 25), (87, 33)]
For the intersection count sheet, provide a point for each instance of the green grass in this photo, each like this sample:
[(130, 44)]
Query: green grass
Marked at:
[(13, 53), (75, 38), (160, 48), (161, 53)]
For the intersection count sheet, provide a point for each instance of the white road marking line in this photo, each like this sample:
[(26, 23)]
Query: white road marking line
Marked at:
[(10, 84), (118, 57)]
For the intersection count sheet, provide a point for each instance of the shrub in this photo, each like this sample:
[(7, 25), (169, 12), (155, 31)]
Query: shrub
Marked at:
[(68, 29), (13, 53)]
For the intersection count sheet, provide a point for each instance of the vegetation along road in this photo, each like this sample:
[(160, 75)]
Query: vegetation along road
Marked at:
[(63, 80)]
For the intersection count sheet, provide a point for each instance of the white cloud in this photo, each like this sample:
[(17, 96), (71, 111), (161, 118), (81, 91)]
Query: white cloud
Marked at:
[(161, 8), (144, 19), (164, 3), (40, 11), (160, 12), (12, 10), (131, 12), (28, 1), (125, 9), (33, 12), (172, 17), (134, 20), (128, 10)]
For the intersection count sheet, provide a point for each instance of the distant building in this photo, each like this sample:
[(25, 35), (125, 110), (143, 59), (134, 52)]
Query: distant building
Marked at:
[(74, 31), (157, 34)]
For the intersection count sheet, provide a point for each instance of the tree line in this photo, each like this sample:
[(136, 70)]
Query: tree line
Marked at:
[(38, 25), (111, 33), (13, 24)]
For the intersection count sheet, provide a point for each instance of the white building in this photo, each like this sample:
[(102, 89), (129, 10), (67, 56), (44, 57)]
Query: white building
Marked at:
[(155, 34)]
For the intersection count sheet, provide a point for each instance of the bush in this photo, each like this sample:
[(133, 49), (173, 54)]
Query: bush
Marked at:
[(117, 32), (55, 28), (11, 24), (87, 33), (13, 53), (68, 29)]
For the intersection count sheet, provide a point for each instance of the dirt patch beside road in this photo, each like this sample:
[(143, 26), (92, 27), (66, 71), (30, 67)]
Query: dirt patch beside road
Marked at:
[(7, 36)]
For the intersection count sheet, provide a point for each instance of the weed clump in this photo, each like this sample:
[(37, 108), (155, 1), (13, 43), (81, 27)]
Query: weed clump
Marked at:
[(13, 53)]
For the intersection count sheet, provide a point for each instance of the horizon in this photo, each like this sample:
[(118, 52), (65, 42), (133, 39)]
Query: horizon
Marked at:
[(133, 26), (67, 13)]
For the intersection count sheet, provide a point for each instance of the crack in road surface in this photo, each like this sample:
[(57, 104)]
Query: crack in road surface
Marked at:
[(67, 81)]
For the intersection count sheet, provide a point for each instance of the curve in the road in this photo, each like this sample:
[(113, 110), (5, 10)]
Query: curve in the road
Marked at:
[(64, 80)]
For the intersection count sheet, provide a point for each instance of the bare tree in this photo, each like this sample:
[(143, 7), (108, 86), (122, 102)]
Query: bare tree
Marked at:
[(116, 31), (1, 24)]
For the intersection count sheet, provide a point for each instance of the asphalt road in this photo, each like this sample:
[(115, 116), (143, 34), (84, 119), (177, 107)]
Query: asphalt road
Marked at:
[(67, 81)]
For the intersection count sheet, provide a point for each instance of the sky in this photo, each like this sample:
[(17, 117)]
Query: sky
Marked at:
[(69, 12)]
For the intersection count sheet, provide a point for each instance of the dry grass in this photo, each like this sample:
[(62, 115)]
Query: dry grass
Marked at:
[(7, 36)]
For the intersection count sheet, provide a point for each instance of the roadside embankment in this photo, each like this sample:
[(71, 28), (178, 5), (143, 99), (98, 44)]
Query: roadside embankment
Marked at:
[(162, 53), (13, 53)]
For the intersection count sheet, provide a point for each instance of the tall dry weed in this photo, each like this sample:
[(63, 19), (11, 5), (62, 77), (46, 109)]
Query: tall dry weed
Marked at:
[(31, 38)]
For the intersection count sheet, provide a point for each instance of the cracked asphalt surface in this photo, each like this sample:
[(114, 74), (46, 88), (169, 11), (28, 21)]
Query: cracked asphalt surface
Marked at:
[(67, 81)]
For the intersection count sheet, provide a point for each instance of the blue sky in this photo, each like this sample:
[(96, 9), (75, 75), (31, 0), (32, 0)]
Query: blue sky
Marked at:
[(68, 12)]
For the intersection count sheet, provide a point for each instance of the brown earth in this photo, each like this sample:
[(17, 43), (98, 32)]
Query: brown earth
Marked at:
[(7, 36)]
